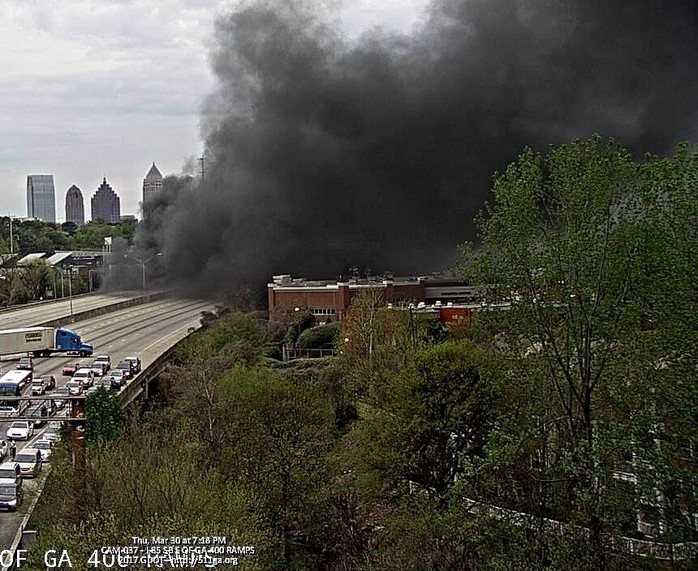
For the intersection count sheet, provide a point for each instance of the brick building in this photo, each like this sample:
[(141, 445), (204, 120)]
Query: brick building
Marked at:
[(449, 298)]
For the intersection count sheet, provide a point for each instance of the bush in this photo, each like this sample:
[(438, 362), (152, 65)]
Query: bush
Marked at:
[(320, 337)]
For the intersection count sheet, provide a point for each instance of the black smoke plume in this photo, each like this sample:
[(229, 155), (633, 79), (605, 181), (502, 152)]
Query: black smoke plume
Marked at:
[(324, 153)]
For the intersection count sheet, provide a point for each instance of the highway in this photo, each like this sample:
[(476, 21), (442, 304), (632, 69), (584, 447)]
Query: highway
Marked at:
[(36, 313), (145, 330)]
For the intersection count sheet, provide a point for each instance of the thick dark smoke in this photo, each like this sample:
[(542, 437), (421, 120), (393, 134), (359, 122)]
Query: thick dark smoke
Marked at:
[(324, 153)]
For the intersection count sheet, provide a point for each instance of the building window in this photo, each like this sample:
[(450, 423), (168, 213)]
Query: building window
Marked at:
[(323, 311)]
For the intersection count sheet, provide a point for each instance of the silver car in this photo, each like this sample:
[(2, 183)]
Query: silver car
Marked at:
[(11, 495), (29, 460)]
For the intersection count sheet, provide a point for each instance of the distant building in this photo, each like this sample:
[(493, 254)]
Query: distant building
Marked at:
[(152, 184), (106, 205), (449, 299), (41, 197), (74, 206)]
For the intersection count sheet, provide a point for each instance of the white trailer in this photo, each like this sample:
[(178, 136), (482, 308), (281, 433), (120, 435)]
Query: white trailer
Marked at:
[(42, 342), (26, 340)]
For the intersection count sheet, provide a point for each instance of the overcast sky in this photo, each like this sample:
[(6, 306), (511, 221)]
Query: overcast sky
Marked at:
[(102, 88)]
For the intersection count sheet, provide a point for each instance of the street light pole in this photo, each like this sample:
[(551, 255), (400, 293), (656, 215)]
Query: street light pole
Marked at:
[(70, 289), (143, 263)]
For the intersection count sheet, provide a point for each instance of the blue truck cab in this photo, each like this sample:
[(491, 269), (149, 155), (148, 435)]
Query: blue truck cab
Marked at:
[(70, 342)]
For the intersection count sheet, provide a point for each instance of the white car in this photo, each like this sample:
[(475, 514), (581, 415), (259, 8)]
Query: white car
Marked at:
[(75, 387), (20, 430), (44, 446), (85, 376), (98, 369), (105, 360), (38, 387)]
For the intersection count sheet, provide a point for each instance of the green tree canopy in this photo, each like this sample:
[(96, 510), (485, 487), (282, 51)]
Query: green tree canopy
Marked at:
[(581, 252)]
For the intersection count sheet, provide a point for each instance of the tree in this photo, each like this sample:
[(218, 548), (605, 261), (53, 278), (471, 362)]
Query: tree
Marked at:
[(36, 277), (570, 249), (104, 416), (69, 228), (439, 414), (374, 341), (278, 431)]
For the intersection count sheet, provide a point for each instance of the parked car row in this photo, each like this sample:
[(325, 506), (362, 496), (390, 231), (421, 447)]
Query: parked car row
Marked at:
[(124, 371), (27, 463)]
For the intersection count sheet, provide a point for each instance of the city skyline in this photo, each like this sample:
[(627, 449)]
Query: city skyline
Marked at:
[(97, 88), (70, 199)]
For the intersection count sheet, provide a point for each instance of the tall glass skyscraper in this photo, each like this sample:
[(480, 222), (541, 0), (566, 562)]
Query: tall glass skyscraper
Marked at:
[(74, 206), (41, 197)]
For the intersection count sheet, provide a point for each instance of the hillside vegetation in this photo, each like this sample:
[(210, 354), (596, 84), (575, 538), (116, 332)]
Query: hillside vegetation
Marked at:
[(489, 447)]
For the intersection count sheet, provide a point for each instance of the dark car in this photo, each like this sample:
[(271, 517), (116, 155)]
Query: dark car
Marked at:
[(41, 411), (49, 382), (11, 495), (127, 367), (136, 362)]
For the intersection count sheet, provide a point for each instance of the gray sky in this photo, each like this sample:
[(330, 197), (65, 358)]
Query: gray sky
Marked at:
[(102, 88)]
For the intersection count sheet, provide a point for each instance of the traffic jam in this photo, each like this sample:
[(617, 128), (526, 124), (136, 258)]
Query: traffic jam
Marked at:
[(33, 403)]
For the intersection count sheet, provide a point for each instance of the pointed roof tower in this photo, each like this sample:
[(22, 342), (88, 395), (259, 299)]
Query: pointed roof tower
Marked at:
[(153, 172)]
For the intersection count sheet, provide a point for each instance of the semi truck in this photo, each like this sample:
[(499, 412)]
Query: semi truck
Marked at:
[(43, 341)]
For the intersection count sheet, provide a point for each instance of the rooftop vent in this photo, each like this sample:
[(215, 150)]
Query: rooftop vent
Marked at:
[(282, 279)]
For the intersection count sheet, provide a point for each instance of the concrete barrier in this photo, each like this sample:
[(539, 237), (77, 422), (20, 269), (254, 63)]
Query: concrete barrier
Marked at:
[(96, 312)]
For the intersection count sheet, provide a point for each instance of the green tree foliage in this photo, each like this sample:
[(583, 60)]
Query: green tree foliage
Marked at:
[(149, 483), (374, 342), (69, 228), (91, 235), (12, 288), (279, 433), (320, 336), (104, 416), (582, 247), (301, 320), (36, 277), (439, 414)]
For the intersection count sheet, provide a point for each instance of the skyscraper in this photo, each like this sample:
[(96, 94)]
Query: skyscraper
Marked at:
[(41, 197), (106, 205), (74, 206), (152, 184)]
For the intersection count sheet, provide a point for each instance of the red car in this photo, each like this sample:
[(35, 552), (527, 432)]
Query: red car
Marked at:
[(70, 368)]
